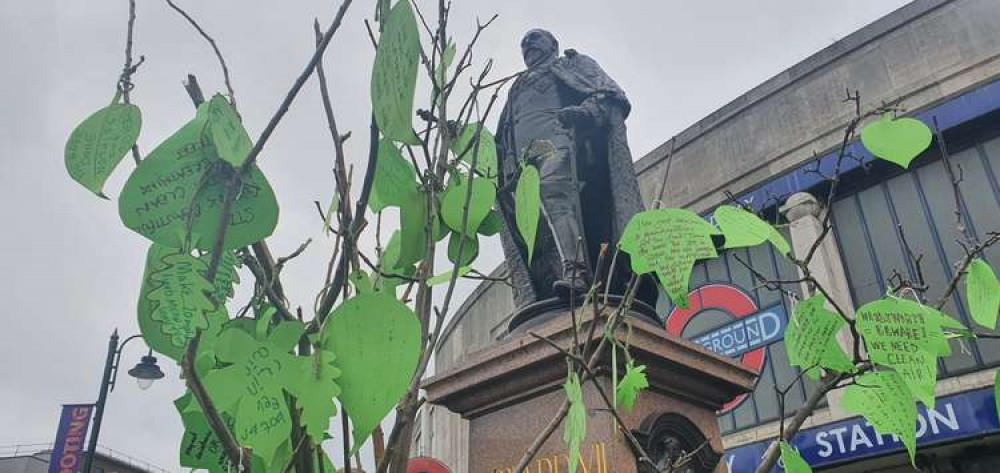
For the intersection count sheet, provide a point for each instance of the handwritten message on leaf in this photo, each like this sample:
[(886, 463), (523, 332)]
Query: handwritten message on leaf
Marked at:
[(200, 447), (575, 428), (907, 337), (811, 338), (898, 141), (376, 340), (395, 183), (885, 401), (791, 460), (668, 242), (180, 187), (528, 206), (394, 76), (983, 293), (631, 385), (485, 156), (480, 203), (226, 278), (231, 140), (99, 143), (179, 293), (742, 229)]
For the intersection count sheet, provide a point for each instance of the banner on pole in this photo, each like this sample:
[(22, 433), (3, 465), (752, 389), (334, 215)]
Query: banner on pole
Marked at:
[(71, 437)]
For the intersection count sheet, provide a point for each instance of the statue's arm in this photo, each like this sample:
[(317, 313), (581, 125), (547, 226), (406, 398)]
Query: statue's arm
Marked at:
[(602, 98)]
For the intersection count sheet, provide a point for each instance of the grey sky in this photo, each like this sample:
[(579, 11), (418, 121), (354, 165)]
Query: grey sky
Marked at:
[(71, 271)]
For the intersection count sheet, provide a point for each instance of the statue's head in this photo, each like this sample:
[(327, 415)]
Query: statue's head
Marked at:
[(538, 47)]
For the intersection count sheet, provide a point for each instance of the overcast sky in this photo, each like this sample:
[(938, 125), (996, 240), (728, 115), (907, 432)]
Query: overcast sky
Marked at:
[(71, 271)]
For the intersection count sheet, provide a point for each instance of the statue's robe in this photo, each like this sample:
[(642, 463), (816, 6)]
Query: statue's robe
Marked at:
[(609, 190)]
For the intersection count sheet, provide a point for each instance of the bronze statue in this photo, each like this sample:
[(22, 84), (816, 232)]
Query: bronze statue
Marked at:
[(589, 189)]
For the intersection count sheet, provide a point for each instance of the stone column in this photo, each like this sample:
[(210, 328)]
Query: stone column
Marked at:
[(805, 216)]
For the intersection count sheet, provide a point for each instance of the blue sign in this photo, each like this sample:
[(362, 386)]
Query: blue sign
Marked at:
[(69, 449), (954, 417), (747, 333)]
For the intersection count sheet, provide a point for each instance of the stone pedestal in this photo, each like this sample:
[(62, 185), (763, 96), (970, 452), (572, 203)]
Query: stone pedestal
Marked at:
[(511, 391)]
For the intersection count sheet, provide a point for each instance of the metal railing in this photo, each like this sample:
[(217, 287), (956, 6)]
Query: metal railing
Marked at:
[(26, 449)]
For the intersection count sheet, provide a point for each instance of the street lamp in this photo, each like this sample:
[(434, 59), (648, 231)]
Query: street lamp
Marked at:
[(145, 372)]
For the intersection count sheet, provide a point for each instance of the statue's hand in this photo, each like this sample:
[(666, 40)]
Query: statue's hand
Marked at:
[(574, 115)]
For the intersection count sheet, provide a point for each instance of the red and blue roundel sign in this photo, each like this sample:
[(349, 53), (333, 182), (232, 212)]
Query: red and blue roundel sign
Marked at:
[(746, 338), (426, 465)]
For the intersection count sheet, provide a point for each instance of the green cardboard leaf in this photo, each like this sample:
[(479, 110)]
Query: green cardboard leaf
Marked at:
[(491, 225), (898, 141), (226, 278), (315, 391), (176, 195), (885, 401), (480, 203), (742, 229), (413, 231), (811, 338), (668, 242), (394, 76), (575, 429), (791, 460), (983, 293), (908, 337), (362, 282), (200, 447), (464, 147), (173, 303), (633, 383), (470, 250), (376, 340), (225, 129), (528, 206), (446, 276), (395, 183), (389, 265), (99, 143)]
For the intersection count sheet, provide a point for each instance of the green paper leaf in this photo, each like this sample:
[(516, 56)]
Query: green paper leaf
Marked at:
[(376, 340), (791, 460), (446, 276), (226, 278), (480, 203), (908, 337), (390, 264), (464, 147), (441, 72), (413, 231), (362, 282), (99, 143), (575, 429), (491, 225), (742, 229), (200, 447), (633, 383), (527, 206), (898, 141), (181, 181), (669, 242), (315, 390), (811, 338), (394, 76), (225, 129), (983, 293), (885, 401), (395, 183), (177, 305), (470, 250)]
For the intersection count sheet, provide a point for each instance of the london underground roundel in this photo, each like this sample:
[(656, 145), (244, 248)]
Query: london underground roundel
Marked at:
[(745, 339), (426, 465)]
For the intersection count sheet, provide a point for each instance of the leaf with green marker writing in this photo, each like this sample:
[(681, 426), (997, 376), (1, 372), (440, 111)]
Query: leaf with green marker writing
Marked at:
[(395, 183), (226, 278), (485, 155), (394, 76), (668, 242), (480, 203), (885, 401), (225, 129), (633, 383), (179, 292), (575, 429), (99, 143), (470, 249), (811, 338), (742, 229), (315, 390), (376, 340), (791, 460), (983, 293), (527, 206), (898, 141)]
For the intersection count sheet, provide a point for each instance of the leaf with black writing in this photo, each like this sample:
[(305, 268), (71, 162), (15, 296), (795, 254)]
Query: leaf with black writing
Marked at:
[(394, 76), (633, 383), (99, 143), (896, 140), (484, 153), (395, 182), (668, 242), (376, 340), (791, 460), (179, 293), (575, 428), (983, 293), (315, 390), (811, 338), (885, 401), (200, 446), (176, 196), (528, 206), (225, 129), (480, 202), (742, 229)]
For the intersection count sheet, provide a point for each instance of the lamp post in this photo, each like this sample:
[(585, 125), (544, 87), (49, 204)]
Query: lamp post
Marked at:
[(145, 373)]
